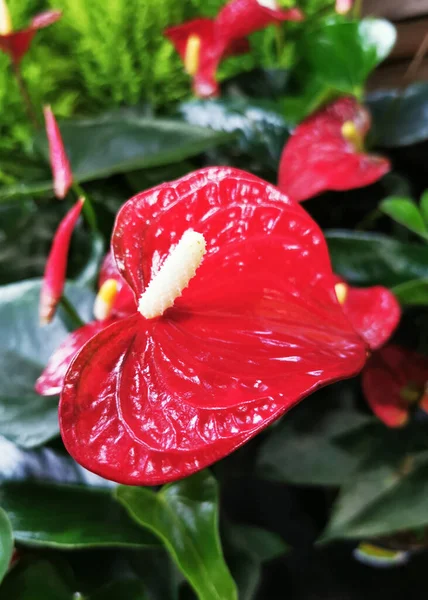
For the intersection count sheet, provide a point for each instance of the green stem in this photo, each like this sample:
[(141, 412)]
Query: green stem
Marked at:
[(32, 115), (71, 312), (368, 220), (279, 41), (88, 208)]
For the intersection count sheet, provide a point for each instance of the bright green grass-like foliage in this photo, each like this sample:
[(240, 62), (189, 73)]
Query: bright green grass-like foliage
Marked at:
[(106, 53)]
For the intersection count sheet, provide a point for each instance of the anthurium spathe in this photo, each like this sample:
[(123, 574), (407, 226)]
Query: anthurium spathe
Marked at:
[(114, 300), (60, 165), (326, 152), (167, 391), (17, 43), (56, 265), (374, 312), (201, 51), (394, 382)]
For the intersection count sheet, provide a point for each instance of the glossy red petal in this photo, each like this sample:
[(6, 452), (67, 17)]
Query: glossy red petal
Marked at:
[(17, 43), (240, 18), (56, 265), (124, 304), (258, 328), (387, 373), (374, 313), (60, 165), (51, 381), (317, 157)]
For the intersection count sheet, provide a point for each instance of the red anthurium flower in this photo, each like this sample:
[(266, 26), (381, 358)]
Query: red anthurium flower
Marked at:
[(199, 370), (326, 152), (60, 165), (395, 380), (115, 300), (56, 265), (201, 51), (374, 312), (17, 43), (239, 18)]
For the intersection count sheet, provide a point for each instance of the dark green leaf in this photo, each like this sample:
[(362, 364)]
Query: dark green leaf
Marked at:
[(412, 293), (261, 544), (405, 212), (20, 191), (89, 274), (260, 128), (123, 142), (399, 116), (37, 581), (258, 83), (424, 206), (343, 53), (130, 589), (148, 564), (184, 515), (302, 448), (370, 259), (65, 516), (387, 494), (6, 543)]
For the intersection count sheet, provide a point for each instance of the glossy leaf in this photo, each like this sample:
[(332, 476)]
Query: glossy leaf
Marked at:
[(302, 449), (121, 142), (89, 274), (6, 543), (374, 259), (263, 545), (424, 207), (412, 293), (260, 128), (131, 589), (36, 580), (184, 515), (69, 517), (399, 115), (405, 212), (386, 495), (343, 53)]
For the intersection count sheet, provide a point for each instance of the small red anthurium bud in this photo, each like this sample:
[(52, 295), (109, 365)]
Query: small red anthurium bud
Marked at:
[(60, 165), (56, 265)]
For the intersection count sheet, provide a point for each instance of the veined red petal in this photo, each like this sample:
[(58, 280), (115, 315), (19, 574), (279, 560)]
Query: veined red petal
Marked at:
[(56, 265), (240, 18), (124, 304), (60, 165), (17, 43), (318, 157), (374, 312), (51, 381), (386, 375), (258, 328)]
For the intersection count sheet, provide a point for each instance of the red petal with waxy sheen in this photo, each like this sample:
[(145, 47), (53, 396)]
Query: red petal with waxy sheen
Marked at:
[(317, 157), (17, 43), (374, 313), (60, 165), (258, 328), (240, 18), (56, 265), (51, 381), (124, 303), (387, 372), (213, 49)]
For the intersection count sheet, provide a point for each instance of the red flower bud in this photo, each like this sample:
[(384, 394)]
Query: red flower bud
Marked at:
[(60, 165), (56, 265)]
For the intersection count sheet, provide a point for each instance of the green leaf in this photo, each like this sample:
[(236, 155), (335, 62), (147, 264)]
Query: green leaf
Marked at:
[(26, 418), (302, 449), (343, 53), (424, 206), (373, 259), (387, 494), (20, 191), (261, 544), (184, 515), (147, 564), (121, 142), (130, 589), (399, 115), (89, 274), (405, 212), (6, 543), (69, 517), (39, 580), (412, 293), (260, 129)]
